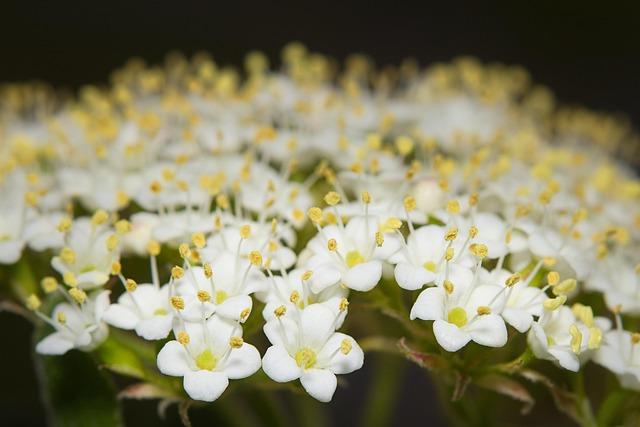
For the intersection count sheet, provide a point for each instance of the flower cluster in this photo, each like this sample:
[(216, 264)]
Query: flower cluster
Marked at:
[(301, 189)]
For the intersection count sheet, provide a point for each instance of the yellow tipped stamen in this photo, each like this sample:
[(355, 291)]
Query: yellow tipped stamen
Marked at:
[(204, 296), (112, 242), (198, 240), (245, 231), (391, 224), (244, 314), (595, 338), (635, 338), (177, 302), (409, 203), (551, 304), (473, 199), (315, 215), (64, 225), (116, 268), (61, 317), (255, 258), (379, 239), (294, 297), (67, 255), (123, 226), (453, 207), (584, 313), (78, 295), (451, 234), (69, 279), (306, 275), (153, 248), (553, 278), (184, 250), (332, 245), (222, 201), (345, 346), (565, 287), (344, 304), (177, 272), (479, 250), (99, 217), (366, 197), (183, 338), (33, 302), (49, 284), (448, 286), (448, 254), (280, 311), (576, 338), (473, 231), (404, 145), (208, 272), (332, 198), (236, 342), (130, 285), (483, 309), (549, 261)]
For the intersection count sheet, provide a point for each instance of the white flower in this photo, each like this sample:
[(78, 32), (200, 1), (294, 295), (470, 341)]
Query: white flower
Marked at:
[(619, 283), (88, 254), (225, 292), (309, 349), (620, 353), (349, 254), (420, 261), (462, 311), (77, 325), (208, 354), (145, 310)]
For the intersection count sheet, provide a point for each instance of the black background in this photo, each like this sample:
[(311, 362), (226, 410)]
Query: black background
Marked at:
[(588, 53)]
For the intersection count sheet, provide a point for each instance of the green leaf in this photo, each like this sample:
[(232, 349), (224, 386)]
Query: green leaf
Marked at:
[(76, 392)]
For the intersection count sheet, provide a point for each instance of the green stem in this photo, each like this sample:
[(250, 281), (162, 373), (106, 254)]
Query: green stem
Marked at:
[(587, 418)]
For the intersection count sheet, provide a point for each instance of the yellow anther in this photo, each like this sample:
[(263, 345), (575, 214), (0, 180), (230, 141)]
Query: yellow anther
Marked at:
[(222, 201), (183, 338), (198, 240), (392, 224), (184, 250), (61, 317), (168, 174), (244, 314), (576, 338), (448, 286), (549, 261), (512, 280), (307, 275), (635, 338), (345, 346), (374, 141), (453, 207), (31, 198), (294, 297), (67, 255), (404, 145), (99, 217), (451, 234), (565, 287), (448, 254), (479, 250), (255, 258), (483, 309), (112, 242), (69, 279), (177, 272), (236, 342), (580, 215), (409, 203), (551, 304), (595, 338), (153, 247), (116, 268), (208, 271), (508, 236), (584, 313), (344, 304), (33, 302), (177, 302), (522, 211), (272, 246), (245, 231), (123, 226), (473, 231), (332, 245), (65, 224), (182, 185), (332, 198), (49, 284), (280, 311), (204, 296), (379, 238), (473, 199), (545, 197), (315, 215), (366, 197), (78, 295), (130, 285), (553, 278), (297, 214)]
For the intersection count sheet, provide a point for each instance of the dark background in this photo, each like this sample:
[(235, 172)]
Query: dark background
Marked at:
[(588, 53)]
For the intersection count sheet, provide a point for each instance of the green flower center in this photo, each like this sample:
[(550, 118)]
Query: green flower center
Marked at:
[(430, 266), (306, 358), (221, 297), (354, 258), (206, 360), (160, 312), (457, 316)]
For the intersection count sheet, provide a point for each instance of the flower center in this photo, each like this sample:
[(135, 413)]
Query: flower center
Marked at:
[(306, 358), (457, 316), (206, 360), (354, 258), (221, 297), (430, 266), (160, 312)]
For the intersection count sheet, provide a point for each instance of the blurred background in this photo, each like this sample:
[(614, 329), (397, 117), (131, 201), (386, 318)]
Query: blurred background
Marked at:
[(586, 53)]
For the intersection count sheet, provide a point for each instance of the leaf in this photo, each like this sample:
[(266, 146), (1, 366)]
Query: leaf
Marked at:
[(120, 359), (76, 392), (565, 401), (508, 387)]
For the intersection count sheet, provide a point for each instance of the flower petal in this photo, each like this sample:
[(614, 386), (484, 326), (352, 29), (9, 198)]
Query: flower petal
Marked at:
[(317, 323), (206, 386), (233, 307), (279, 365), (410, 277), (338, 362), (488, 330), (173, 359), (54, 344), (429, 305), (363, 277), (319, 383), (449, 336), (242, 362), (154, 328), (120, 316)]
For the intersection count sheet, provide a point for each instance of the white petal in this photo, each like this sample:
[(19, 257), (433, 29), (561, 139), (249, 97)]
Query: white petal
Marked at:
[(10, 251), (449, 336), (154, 328), (319, 383), (429, 305), (363, 277), (566, 358), (519, 319), (488, 330), (121, 317), (323, 277), (242, 362), (317, 323), (279, 365), (232, 307), (341, 363), (54, 344), (206, 386), (411, 277), (173, 359)]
